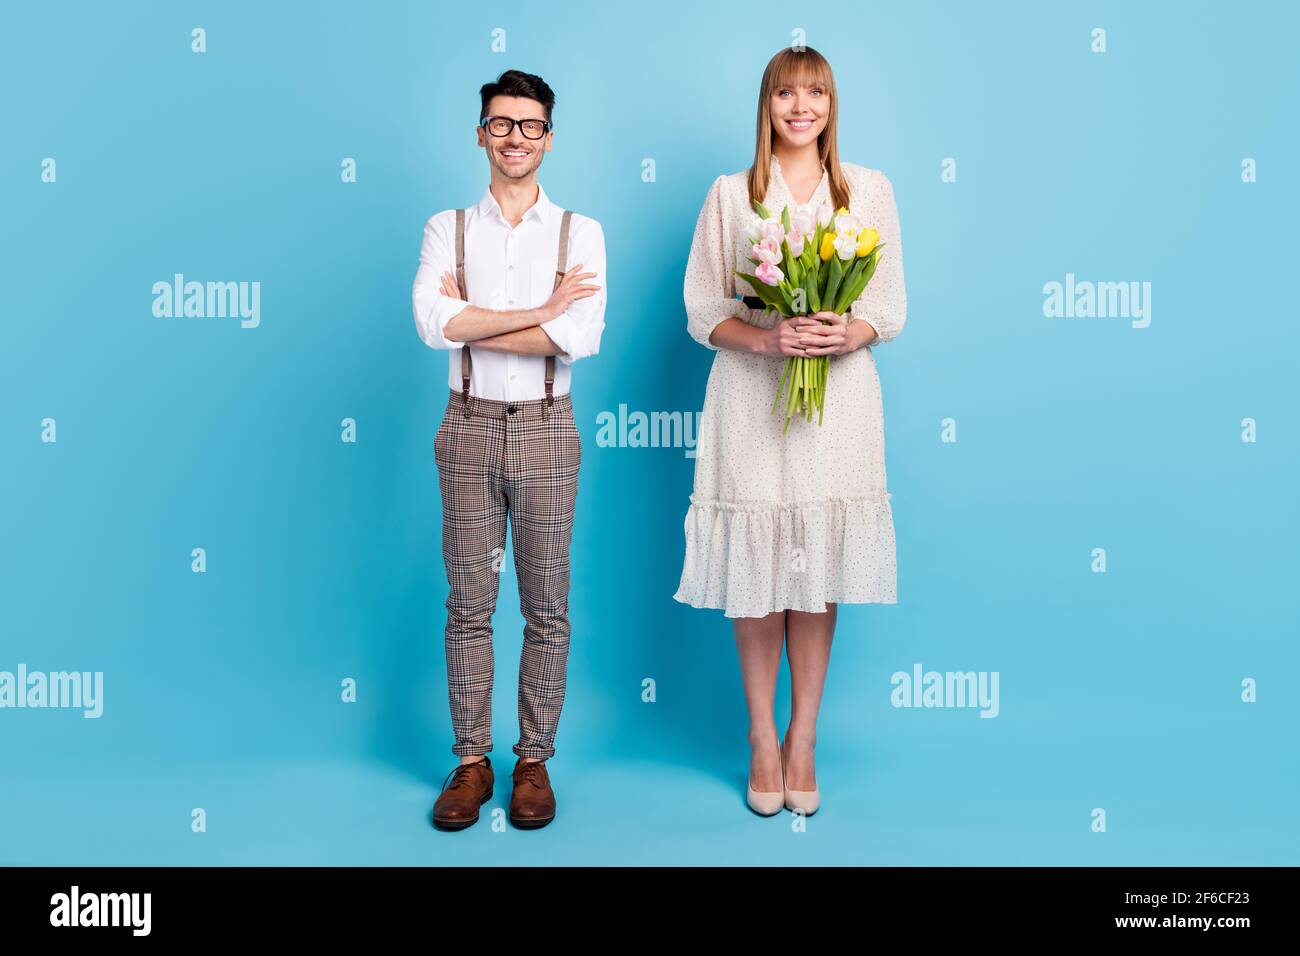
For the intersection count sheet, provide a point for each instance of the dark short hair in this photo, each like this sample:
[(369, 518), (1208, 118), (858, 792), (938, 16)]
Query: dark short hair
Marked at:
[(517, 83)]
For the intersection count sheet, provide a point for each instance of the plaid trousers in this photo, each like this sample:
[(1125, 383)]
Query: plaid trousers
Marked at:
[(517, 460)]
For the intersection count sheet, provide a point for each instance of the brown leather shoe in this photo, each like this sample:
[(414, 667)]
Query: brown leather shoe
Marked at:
[(532, 803), (471, 786)]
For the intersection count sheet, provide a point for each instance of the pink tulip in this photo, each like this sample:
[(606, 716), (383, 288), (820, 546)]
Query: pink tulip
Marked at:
[(767, 251), (795, 239), (772, 229), (768, 274)]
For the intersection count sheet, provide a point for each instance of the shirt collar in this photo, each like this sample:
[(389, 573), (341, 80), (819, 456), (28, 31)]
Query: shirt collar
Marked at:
[(540, 210)]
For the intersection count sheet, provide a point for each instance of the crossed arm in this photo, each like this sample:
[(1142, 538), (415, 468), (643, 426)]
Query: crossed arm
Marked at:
[(521, 342), (564, 325), (514, 330)]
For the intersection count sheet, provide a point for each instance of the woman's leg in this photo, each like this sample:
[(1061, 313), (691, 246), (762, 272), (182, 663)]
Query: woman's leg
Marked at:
[(759, 640), (808, 646)]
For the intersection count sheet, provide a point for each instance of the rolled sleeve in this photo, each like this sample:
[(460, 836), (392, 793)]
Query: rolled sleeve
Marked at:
[(883, 302), (433, 310), (577, 330)]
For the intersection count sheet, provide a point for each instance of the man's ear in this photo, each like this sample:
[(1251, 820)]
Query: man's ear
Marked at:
[(549, 139), (482, 141)]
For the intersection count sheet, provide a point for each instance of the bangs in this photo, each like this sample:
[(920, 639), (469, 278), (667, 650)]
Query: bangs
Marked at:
[(790, 69)]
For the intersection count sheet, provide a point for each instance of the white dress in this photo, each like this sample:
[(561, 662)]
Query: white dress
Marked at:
[(801, 519)]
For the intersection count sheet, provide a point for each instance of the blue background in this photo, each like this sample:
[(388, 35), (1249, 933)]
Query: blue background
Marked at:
[(1118, 690)]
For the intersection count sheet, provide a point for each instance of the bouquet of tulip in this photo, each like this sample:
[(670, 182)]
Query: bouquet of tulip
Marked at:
[(811, 261)]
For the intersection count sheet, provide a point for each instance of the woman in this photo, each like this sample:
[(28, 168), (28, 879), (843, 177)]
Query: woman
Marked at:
[(782, 528)]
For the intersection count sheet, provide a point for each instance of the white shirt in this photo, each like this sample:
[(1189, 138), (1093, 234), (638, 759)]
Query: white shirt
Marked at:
[(510, 268)]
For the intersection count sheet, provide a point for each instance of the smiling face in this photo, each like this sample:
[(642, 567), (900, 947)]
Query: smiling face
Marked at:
[(514, 156), (799, 113)]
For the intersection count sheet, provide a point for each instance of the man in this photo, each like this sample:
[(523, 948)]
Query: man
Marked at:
[(496, 288)]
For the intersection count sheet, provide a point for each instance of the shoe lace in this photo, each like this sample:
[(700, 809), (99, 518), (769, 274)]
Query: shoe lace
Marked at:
[(462, 776), (533, 772)]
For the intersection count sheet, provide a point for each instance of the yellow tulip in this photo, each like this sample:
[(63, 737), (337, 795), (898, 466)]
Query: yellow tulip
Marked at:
[(841, 211), (867, 240), (828, 246)]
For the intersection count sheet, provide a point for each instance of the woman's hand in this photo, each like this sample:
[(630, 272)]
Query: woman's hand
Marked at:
[(822, 333), (784, 338)]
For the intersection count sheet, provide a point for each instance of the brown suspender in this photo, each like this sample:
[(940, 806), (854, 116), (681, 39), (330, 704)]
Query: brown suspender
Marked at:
[(560, 266)]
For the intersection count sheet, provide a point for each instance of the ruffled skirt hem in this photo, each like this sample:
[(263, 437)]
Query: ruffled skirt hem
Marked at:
[(751, 558)]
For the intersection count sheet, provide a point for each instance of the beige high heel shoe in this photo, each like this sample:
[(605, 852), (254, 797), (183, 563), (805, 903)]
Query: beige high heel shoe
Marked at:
[(767, 803), (802, 801)]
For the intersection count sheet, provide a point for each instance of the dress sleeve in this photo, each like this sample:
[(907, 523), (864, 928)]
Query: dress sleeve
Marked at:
[(884, 301), (710, 288)]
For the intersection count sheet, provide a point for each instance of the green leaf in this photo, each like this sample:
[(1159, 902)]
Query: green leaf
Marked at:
[(851, 295), (848, 295), (836, 277), (869, 271), (770, 296), (807, 257), (761, 210), (852, 271)]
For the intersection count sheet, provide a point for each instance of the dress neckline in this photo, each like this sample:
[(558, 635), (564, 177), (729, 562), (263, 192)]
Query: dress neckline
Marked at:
[(822, 184)]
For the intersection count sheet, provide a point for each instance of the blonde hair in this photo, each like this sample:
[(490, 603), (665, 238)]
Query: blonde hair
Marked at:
[(788, 69)]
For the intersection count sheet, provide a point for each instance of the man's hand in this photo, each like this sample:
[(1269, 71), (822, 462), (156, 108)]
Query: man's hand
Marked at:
[(571, 288), (449, 287)]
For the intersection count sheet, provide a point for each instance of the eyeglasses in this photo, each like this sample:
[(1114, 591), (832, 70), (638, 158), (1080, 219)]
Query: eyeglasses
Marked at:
[(503, 126)]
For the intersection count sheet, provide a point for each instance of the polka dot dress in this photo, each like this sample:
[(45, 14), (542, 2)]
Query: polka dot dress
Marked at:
[(799, 520)]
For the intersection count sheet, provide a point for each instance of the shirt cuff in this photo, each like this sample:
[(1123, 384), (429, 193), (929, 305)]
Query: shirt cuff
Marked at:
[(563, 331), (454, 307)]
